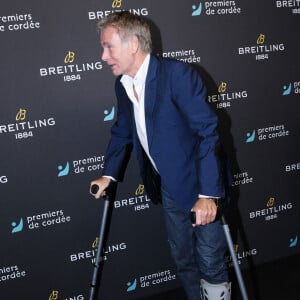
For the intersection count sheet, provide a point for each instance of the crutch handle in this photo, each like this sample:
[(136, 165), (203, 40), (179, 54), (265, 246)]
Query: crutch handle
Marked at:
[(108, 191), (94, 188)]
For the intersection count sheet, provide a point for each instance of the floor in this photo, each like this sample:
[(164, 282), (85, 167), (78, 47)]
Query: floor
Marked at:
[(272, 281)]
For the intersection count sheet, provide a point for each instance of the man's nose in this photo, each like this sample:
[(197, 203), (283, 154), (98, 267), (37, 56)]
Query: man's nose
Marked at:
[(104, 55)]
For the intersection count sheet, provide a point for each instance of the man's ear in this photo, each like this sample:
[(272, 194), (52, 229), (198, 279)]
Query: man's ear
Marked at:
[(135, 44)]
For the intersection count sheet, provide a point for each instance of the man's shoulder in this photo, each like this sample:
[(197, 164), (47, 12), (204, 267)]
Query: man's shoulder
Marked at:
[(170, 64), (168, 60)]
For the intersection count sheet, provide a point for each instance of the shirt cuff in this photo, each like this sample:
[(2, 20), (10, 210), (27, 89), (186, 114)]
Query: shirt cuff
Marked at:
[(112, 178), (207, 197)]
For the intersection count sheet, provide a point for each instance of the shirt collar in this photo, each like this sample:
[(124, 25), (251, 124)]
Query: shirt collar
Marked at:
[(140, 76)]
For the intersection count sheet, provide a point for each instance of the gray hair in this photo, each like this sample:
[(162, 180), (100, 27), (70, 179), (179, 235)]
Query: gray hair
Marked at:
[(128, 25)]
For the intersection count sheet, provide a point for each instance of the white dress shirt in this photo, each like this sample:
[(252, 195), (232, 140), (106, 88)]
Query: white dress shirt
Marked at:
[(138, 83)]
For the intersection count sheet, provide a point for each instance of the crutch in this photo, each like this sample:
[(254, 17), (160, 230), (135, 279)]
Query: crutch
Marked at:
[(231, 250), (107, 199)]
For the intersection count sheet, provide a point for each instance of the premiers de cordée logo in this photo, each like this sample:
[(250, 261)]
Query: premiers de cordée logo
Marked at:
[(185, 55), (291, 88), (242, 178), (18, 22), (42, 220), (149, 280), (8, 273), (212, 8), (80, 166), (268, 133)]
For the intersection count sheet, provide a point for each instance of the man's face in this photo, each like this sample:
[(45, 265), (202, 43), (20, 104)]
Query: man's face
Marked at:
[(116, 53)]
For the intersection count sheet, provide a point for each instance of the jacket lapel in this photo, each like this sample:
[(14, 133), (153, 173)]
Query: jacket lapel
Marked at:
[(150, 97)]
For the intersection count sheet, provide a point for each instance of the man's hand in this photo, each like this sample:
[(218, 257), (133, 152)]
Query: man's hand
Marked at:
[(206, 211), (102, 183)]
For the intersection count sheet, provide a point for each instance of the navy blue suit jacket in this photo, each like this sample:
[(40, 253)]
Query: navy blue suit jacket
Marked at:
[(181, 130)]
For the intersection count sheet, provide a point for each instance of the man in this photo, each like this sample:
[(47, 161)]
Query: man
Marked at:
[(164, 117)]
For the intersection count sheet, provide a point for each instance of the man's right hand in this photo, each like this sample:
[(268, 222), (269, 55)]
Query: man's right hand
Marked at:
[(102, 183)]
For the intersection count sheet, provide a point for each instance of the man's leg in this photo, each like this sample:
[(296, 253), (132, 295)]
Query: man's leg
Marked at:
[(180, 236), (199, 252), (210, 248)]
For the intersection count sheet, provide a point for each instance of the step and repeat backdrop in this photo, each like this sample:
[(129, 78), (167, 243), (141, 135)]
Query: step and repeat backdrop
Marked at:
[(57, 107)]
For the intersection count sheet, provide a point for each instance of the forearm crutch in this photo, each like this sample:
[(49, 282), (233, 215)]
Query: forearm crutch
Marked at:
[(107, 200)]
